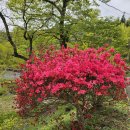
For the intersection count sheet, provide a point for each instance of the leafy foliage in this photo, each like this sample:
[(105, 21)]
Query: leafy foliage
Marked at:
[(73, 76)]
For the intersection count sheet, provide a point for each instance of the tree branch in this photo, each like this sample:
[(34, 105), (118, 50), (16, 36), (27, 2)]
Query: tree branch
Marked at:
[(53, 3), (10, 39), (25, 22)]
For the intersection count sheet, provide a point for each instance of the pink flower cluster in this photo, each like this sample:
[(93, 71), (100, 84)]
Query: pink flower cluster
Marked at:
[(100, 72)]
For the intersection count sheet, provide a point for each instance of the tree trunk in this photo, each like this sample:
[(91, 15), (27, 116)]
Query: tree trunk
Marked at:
[(30, 46), (98, 103), (63, 34), (80, 117), (63, 40)]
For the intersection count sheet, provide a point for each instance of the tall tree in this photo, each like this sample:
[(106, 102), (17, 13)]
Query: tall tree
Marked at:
[(59, 14), (66, 13), (54, 17), (28, 16), (25, 15)]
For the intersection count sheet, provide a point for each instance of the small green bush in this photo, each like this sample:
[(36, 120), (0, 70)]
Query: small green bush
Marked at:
[(8, 120), (3, 91), (10, 123)]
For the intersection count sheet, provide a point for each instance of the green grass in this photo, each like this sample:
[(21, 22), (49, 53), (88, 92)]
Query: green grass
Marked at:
[(59, 117), (3, 91), (10, 120), (113, 116), (6, 103)]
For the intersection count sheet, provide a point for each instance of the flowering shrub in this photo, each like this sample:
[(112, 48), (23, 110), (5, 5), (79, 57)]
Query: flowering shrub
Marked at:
[(73, 76)]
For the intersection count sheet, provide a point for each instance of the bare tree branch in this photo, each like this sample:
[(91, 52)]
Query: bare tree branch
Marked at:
[(10, 39)]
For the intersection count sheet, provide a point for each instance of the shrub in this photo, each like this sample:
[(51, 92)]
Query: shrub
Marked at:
[(3, 91), (8, 120), (79, 77)]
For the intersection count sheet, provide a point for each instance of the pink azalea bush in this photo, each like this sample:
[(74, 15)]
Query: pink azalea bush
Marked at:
[(71, 75)]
